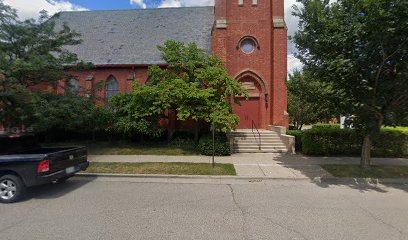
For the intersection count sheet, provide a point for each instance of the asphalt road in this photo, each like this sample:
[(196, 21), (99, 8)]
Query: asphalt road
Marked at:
[(115, 208)]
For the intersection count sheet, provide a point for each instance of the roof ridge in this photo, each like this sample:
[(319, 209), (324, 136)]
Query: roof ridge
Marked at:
[(134, 9)]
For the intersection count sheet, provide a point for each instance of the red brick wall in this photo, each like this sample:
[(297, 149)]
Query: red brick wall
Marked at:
[(268, 62), (89, 80), (125, 85), (279, 88)]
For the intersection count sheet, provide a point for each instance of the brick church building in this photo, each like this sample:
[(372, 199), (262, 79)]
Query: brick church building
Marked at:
[(250, 36)]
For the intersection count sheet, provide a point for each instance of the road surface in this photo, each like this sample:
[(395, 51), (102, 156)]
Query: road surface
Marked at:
[(120, 208)]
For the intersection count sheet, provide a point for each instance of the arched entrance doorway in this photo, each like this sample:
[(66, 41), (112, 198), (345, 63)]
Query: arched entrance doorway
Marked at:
[(250, 110)]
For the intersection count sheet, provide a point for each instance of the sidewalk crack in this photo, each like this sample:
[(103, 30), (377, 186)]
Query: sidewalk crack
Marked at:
[(261, 170)]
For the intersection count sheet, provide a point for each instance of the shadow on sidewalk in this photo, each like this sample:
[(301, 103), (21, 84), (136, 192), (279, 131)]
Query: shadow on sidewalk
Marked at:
[(310, 168)]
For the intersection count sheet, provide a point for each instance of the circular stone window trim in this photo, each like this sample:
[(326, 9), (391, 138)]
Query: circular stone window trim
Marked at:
[(248, 42)]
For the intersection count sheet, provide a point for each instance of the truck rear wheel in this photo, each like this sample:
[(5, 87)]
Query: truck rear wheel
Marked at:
[(12, 188)]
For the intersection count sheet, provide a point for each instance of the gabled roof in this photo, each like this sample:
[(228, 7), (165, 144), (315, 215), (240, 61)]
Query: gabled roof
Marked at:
[(132, 36)]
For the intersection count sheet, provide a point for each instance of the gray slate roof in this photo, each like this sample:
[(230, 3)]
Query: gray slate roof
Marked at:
[(132, 36)]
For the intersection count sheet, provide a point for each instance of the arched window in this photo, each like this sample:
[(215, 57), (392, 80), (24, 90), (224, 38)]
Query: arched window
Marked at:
[(112, 87), (72, 86)]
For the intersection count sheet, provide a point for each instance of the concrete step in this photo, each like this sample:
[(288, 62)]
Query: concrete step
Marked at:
[(257, 147), (260, 151), (266, 141), (257, 138), (251, 134), (250, 130), (246, 141), (278, 144)]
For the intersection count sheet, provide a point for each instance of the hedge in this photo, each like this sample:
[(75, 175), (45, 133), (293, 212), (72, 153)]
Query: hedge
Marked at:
[(222, 145), (298, 138), (336, 126), (330, 141), (392, 142)]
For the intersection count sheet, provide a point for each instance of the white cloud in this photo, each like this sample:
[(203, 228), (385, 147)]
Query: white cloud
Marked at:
[(139, 3), (185, 3), (31, 8), (292, 23), (293, 64)]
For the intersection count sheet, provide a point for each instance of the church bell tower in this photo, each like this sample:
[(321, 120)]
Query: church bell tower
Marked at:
[(250, 36)]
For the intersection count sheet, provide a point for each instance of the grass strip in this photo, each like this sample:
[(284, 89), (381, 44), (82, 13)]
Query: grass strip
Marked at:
[(162, 168), (129, 148), (375, 171)]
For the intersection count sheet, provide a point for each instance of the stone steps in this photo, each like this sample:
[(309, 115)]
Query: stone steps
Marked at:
[(245, 141), (256, 140), (263, 144), (260, 151)]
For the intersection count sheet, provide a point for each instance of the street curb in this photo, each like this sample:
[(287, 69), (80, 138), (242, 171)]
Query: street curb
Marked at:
[(182, 176), (356, 181), (327, 180)]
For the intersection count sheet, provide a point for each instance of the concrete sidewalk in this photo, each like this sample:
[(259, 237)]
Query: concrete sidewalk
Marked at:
[(259, 165)]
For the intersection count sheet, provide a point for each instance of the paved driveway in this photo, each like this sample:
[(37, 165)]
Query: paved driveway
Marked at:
[(121, 208)]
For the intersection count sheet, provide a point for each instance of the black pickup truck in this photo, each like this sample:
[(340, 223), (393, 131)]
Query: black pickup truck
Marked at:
[(24, 163)]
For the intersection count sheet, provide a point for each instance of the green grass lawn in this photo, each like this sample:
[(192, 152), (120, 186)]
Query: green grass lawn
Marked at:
[(162, 168), (402, 129), (129, 148), (355, 171)]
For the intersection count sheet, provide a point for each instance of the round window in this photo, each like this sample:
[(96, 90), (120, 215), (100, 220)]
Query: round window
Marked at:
[(248, 45)]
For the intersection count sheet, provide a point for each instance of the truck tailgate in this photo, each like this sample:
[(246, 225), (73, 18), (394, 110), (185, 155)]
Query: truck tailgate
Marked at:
[(69, 157)]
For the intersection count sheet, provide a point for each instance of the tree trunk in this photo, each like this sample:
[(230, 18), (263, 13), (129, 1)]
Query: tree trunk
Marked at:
[(366, 152), (170, 133), (196, 131)]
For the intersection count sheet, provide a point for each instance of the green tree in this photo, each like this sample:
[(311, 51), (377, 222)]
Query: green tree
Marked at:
[(57, 111), (361, 47), (71, 113), (310, 100), (139, 111), (31, 53), (194, 85)]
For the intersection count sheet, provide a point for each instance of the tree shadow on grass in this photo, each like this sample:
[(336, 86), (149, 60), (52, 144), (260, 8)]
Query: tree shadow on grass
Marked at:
[(310, 167)]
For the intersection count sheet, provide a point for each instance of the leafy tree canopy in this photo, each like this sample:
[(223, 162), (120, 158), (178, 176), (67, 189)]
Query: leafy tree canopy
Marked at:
[(32, 52), (311, 100), (361, 47), (194, 85)]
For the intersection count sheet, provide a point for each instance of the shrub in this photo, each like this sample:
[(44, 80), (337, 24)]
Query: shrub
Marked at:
[(181, 142), (298, 138), (291, 127), (183, 134), (392, 142), (336, 126), (330, 141), (222, 145)]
